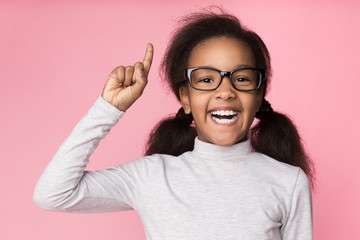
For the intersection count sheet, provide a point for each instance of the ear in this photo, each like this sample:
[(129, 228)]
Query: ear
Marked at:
[(185, 98)]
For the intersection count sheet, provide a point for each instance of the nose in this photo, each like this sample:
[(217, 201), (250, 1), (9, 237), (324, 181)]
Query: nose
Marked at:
[(225, 91)]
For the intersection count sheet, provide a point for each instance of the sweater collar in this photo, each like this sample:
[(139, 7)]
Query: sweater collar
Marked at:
[(215, 152)]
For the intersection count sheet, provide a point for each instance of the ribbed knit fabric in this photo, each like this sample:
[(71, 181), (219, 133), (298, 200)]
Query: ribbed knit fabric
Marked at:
[(212, 192)]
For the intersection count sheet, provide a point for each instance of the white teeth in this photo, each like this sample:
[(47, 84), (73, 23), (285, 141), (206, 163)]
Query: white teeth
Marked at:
[(225, 121), (224, 112), (218, 113)]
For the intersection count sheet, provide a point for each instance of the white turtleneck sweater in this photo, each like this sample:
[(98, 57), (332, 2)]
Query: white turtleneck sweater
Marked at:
[(212, 192)]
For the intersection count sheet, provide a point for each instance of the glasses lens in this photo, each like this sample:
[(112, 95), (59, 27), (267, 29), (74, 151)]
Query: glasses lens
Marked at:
[(205, 79), (246, 79)]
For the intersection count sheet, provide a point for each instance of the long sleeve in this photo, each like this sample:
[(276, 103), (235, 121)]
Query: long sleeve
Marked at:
[(298, 225), (65, 186)]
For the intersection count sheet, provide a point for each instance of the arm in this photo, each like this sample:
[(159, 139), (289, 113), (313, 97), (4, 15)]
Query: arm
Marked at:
[(64, 185), (298, 225)]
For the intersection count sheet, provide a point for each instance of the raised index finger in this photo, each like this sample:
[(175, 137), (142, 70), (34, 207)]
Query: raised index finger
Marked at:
[(148, 58)]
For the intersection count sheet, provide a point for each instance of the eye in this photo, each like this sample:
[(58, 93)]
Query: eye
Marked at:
[(205, 80), (241, 79)]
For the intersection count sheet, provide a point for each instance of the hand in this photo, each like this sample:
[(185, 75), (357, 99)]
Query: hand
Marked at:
[(126, 84)]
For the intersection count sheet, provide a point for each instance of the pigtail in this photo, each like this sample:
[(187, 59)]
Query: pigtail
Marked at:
[(276, 136), (173, 135)]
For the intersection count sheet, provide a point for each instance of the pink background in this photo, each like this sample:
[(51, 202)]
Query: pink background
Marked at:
[(56, 55)]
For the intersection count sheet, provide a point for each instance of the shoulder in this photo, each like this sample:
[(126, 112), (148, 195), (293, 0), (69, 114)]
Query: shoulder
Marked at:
[(148, 164), (274, 170), (265, 161), (144, 162)]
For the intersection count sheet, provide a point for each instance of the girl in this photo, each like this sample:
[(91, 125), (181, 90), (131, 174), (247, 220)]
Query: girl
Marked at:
[(213, 179)]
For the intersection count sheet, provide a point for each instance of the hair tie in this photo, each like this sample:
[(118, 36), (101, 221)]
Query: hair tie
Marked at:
[(186, 118), (264, 109)]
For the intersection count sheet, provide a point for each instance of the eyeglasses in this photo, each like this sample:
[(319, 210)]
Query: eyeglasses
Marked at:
[(208, 78)]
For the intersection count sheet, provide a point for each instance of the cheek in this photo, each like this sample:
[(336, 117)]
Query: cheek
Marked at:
[(250, 105), (198, 103)]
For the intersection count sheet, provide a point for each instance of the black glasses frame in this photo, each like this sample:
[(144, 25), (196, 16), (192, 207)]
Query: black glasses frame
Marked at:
[(223, 74)]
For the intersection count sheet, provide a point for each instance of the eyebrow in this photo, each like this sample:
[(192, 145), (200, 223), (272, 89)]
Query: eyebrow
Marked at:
[(242, 65), (236, 66)]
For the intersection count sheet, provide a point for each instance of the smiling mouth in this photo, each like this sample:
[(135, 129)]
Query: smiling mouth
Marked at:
[(224, 116)]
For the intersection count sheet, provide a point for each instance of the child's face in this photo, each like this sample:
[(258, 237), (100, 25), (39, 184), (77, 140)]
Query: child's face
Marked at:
[(224, 54)]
